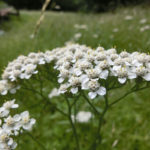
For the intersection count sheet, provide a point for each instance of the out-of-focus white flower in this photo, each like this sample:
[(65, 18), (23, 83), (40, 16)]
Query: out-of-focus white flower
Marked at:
[(115, 30), (70, 42), (81, 26), (2, 32), (32, 36), (58, 7), (77, 36), (53, 93), (128, 18), (142, 21), (95, 35), (83, 116), (146, 27)]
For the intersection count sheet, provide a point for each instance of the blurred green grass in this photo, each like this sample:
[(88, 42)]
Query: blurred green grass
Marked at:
[(129, 121)]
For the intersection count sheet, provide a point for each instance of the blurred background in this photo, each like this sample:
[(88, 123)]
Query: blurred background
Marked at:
[(75, 5), (123, 24)]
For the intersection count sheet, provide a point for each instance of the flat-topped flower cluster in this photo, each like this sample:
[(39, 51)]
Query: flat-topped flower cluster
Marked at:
[(80, 68), (11, 126)]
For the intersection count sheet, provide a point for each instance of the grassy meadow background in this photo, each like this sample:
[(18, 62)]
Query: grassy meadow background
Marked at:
[(127, 126)]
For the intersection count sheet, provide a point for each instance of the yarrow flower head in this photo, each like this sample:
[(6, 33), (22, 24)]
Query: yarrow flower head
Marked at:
[(79, 68), (11, 126)]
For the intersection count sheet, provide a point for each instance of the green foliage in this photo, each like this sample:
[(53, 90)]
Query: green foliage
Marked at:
[(127, 123)]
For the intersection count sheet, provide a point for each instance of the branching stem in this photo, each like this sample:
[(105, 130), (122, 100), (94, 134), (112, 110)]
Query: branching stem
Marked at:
[(93, 107), (47, 100), (101, 120), (35, 139), (72, 125), (126, 94)]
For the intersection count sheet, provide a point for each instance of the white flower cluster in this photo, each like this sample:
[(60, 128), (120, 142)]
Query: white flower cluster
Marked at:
[(81, 67), (21, 68), (11, 126), (6, 86)]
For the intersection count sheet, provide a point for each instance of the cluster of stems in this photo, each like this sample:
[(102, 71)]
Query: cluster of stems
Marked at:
[(72, 108)]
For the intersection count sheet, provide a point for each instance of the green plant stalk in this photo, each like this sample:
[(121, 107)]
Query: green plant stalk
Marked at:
[(35, 139), (92, 106), (97, 140), (126, 94), (107, 106), (72, 124), (45, 98)]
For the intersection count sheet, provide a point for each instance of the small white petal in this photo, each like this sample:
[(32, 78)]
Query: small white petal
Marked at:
[(27, 76), (74, 90), (116, 68), (10, 142), (55, 67), (132, 75), (84, 86), (128, 64), (92, 95), (41, 62), (32, 121), (78, 72), (147, 77), (27, 126), (136, 63), (84, 78), (6, 112), (104, 74), (14, 145), (22, 76), (4, 92), (25, 113), (122, 80), (35, 72), (13, 79), (17, 117), (60, 80), (15, 106), (101, 91), (13, 91)]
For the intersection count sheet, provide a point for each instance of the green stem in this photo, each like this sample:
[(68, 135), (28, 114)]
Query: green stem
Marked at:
[(126, 94), (41, 84), (97, 140), (72, 125), (35, 139), (107, 105), (112, 88), (74, 105), (47, 100), (93, 107)]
